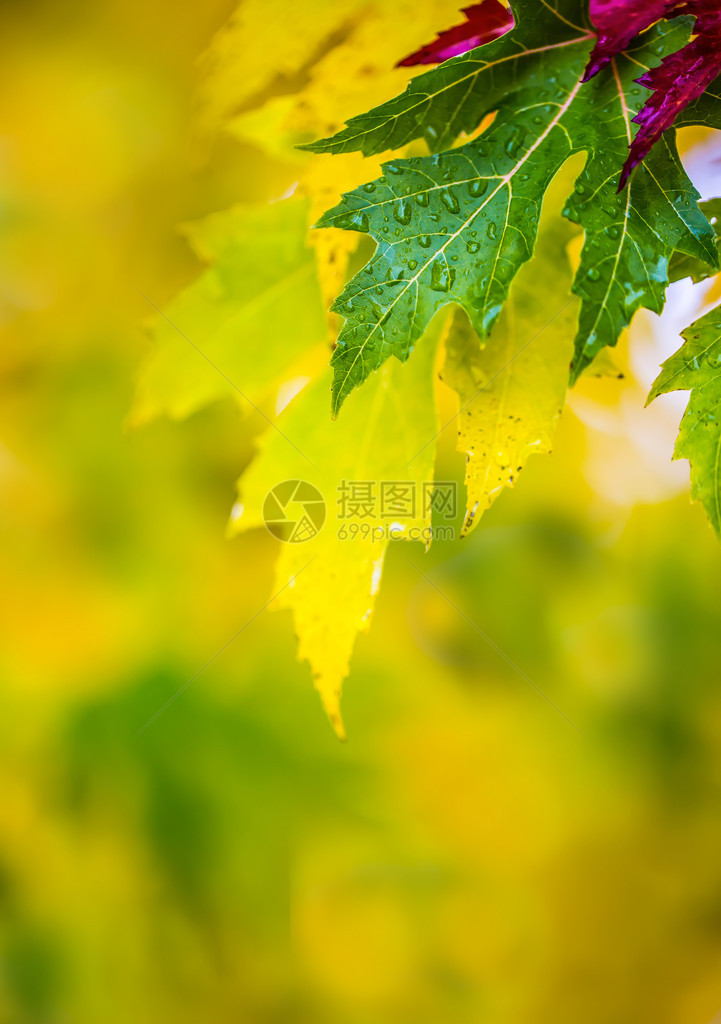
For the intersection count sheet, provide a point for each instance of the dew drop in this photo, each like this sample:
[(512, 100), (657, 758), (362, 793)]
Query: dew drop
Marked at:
[(395, 276), (513, 144), (403, 211), (450, 201), (441, 276)]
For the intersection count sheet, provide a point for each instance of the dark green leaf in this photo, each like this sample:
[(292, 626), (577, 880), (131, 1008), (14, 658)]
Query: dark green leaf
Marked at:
[(457, 226)]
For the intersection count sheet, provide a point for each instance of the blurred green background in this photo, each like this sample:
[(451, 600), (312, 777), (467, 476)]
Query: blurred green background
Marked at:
[(468, 856)]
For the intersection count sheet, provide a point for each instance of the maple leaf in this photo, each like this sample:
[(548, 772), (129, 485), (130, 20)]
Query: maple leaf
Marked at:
[(484, 22), (330, 581), (697, 367), (456, 226), (682, 76)]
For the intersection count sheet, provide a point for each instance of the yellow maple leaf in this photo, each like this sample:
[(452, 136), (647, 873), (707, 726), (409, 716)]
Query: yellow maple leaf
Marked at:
[(329, 580)]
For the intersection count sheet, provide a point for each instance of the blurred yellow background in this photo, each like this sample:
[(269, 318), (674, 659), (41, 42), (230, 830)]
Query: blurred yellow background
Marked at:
[(468, 856)]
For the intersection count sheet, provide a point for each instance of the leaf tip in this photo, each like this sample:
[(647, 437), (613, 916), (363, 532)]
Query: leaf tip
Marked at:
[(631, 162), (484, 22), (310, 147), (578, 365), (657, 389), (336, 402), (330, 699)]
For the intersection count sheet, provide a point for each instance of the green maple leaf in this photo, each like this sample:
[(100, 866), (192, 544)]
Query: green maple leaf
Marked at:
[(456, 226), (697, 367)]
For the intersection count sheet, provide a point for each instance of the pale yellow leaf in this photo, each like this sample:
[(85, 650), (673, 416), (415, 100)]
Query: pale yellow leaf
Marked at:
[(330, 582), (268, 46)]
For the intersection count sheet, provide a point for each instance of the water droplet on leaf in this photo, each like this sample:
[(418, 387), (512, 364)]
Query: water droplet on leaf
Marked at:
[(441, 276), (403, 211), (450, 201)]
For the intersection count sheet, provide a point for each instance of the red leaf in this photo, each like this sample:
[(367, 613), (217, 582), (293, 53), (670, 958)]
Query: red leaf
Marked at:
[(679, 79), (618, 22), (484, 22)]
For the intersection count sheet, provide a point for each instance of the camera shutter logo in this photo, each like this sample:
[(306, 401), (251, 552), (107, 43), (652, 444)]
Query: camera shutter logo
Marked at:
[(294, 511)]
